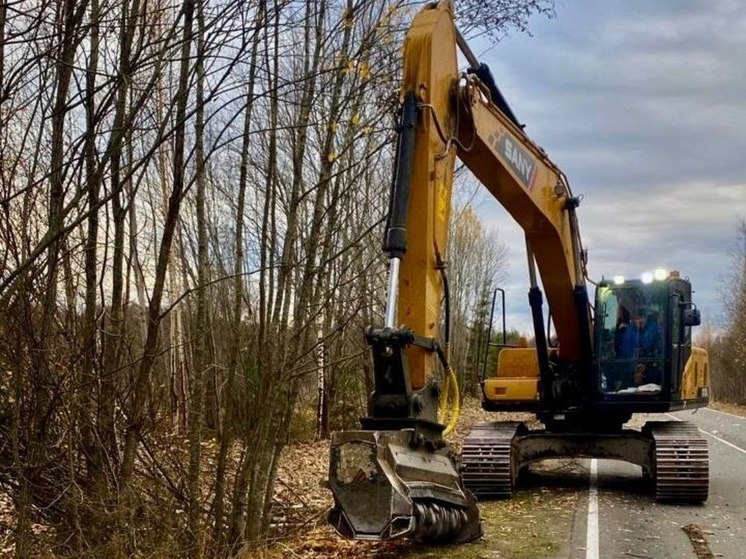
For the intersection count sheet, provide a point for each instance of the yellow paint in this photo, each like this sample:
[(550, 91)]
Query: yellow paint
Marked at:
[(511, 389), (538, 210), (518, 362), (696, 374), (443, 202), (430, 67), (517, 376)]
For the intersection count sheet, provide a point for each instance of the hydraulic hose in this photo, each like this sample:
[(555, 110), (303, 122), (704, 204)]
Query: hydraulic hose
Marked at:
[(450, 399), (449, 405)]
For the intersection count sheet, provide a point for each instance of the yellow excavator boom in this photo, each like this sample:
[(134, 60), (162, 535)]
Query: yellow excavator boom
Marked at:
[(457, 117)]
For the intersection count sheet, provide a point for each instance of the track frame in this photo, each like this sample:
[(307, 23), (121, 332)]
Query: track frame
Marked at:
[(672, 454)]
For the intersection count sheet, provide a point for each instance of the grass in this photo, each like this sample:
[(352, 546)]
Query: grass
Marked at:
[(534, 524)]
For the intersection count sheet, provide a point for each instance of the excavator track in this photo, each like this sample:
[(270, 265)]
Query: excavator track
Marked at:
[(487, 467), (681, 462)]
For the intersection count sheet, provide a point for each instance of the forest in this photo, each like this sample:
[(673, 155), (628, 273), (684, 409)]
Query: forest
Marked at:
[(192, 197)]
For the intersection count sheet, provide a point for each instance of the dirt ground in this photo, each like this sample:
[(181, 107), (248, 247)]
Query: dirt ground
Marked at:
[(729, 408)]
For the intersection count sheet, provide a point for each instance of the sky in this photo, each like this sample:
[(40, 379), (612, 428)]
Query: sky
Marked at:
[(643, 106)]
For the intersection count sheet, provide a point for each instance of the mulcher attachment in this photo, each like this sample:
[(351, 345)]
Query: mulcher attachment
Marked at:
[(388, 486), (681, 462)]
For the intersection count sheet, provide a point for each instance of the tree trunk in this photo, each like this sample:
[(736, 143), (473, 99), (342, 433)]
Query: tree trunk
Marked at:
[(136, 419), (226, 431), (202, 329)]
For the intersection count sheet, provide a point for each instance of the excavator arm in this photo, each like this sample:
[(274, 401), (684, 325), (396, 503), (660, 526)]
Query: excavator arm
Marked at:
[(397, 476), (465, 116)]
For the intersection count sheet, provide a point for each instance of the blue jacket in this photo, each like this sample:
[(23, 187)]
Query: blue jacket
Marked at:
[(645, 340)]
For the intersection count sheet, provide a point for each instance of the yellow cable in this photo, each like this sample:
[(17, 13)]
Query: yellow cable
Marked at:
[(450, 399), (443, 398), (455, 402)]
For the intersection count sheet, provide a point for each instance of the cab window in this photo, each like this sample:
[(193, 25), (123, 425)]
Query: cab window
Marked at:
[(630, 339)]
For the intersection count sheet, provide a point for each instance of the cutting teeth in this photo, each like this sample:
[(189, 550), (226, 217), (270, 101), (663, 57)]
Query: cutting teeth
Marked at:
[(438, 523)]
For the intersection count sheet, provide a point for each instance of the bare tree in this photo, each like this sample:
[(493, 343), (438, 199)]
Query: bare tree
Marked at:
[(728, 346), (192, 196)]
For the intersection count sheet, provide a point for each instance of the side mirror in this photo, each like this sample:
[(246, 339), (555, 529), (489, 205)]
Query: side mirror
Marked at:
[(691, 317)]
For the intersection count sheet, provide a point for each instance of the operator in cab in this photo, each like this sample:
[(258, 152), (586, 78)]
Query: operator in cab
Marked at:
[(642, 338)]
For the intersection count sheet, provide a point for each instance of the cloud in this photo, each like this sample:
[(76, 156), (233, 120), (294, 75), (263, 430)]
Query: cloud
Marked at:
[(642, 105), (690, 228), (614, 97), (686, 227)]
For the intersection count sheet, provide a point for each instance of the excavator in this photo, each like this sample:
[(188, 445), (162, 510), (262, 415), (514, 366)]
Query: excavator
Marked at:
[(629, 351)]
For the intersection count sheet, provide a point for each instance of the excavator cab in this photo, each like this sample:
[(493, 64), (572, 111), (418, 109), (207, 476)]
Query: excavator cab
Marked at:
[(643, 358)]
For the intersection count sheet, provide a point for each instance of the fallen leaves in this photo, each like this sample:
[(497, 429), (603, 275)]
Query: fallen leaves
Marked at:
[(301, 501), (699, 541)]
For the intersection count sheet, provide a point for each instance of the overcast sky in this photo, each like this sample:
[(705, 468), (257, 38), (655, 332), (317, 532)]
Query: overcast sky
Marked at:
[(643, 105)]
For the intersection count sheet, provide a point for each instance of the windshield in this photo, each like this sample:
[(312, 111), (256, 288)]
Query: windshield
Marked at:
[(630, 348)]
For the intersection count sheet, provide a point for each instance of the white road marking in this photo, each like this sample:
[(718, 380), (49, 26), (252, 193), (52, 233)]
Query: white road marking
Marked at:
[(738, 448), (725, 413), (591, 538)]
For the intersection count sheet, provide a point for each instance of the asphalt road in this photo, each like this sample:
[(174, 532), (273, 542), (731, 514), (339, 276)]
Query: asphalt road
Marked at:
[(619, 517)]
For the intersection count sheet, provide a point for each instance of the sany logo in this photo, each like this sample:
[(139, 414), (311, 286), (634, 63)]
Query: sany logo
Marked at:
[(520, 161)]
